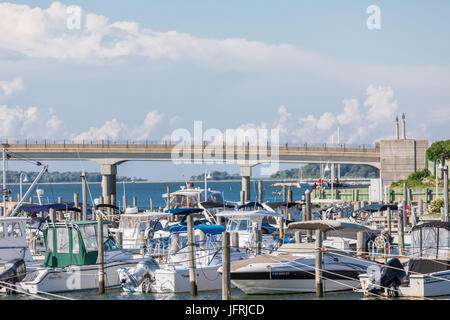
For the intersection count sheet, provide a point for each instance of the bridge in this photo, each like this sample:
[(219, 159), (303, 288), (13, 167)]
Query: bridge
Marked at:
[(394, 158)]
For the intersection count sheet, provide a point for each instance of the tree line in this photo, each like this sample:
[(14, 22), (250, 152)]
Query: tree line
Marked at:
[(14, 177)]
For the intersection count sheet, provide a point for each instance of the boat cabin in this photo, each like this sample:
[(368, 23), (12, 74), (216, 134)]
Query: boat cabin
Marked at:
[(131, 225), (74, 243), (13, 239), (430, 247), (191, 197)]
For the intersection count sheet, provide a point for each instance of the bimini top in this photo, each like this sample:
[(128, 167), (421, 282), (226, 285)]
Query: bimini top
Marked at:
[(251, 205), (274, 205), (248, 214), (375, 207), (183, 211), (146, 215), (327, 225), (210, 204), (432, 224), (47, 207)]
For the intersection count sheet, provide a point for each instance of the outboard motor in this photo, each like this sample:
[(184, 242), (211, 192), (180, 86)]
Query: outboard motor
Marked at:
[(390, 278), (14, 272)]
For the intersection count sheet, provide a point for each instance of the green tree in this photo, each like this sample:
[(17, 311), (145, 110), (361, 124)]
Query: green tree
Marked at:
[(439, 150)]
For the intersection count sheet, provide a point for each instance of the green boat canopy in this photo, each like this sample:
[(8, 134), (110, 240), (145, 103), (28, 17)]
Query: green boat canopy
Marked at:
[(74, 243)]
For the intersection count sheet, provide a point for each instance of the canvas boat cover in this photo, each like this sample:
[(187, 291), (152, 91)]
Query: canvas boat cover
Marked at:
[(327, 225)]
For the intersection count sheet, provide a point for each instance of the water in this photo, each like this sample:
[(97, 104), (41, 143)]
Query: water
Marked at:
[(144, 191)]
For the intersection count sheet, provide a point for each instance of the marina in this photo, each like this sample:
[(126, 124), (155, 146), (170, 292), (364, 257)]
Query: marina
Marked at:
[(210, 159)]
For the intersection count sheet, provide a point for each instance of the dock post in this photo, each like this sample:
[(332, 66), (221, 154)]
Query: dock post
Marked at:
[(83, 196), (361, 243), (298, 237), (151, 204), (281, 228), (101, 271), (52, 213), (242, 197), (258, 241), (134, 202), (142, 242), (59, 199), (260, 191), (168, 197), (119, 238), (308, 214), (191, 244), (75, 200), (284, 194), (31, 200), (318, 269), (389, 221), (226, 266), (401, 226), (235, 240), (124, 200)]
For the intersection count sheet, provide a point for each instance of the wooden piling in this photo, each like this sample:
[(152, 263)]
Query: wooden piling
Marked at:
[(318, 269), (361, 243), (401, 226), (76, 200), (389, 221), (260, 191), (142, 243), (151, 204), (134, 202), (119, 238), (226, 283), (101, 270), (234, 240), (298, 237), (190, 234), (308, 214), (124, 201), (59, 199), (31, 200), (168, 197), (52, 214)]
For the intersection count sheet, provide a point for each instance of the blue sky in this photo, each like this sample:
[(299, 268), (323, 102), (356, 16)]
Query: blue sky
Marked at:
[(306, 67)]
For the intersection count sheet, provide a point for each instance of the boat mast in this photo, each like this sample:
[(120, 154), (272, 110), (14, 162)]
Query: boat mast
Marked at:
[(4, 182)]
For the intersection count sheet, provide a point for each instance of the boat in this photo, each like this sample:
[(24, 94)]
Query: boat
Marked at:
[(170, 244), (246, 223), (190, 197), (71, 259), (132, 224), (291, 268), (426, 274), (15, 254)]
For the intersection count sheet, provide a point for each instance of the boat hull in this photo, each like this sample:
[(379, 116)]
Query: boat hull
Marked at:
[(73, 278)]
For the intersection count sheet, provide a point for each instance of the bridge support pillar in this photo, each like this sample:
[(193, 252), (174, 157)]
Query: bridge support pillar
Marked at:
[(109, 172), (246, 172)]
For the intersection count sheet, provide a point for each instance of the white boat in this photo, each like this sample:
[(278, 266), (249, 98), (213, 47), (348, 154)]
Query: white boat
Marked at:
[(71, 259), (190, 197), (246, 223), (132, 224), (15, 254), (291, 268), (172, 276), (427, 273)]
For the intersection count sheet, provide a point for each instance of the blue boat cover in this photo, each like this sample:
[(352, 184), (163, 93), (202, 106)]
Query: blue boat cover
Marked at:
[(47, 207), (183, 211), (375, 207)]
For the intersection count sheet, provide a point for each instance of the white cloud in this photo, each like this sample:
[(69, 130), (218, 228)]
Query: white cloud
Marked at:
[(8, 88), (110, 130), (150, 122), (28, 122)]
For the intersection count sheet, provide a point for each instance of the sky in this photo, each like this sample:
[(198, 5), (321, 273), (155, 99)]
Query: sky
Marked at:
[(141, 70)]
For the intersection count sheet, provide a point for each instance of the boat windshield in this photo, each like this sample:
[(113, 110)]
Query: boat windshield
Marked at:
[(89, 235), (239, 225), (183, 201)]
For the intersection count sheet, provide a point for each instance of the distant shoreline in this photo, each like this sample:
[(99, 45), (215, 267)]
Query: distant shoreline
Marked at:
[(178, 181)]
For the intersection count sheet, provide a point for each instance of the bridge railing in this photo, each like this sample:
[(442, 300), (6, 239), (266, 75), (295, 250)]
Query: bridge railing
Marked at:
[(47, 143)]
